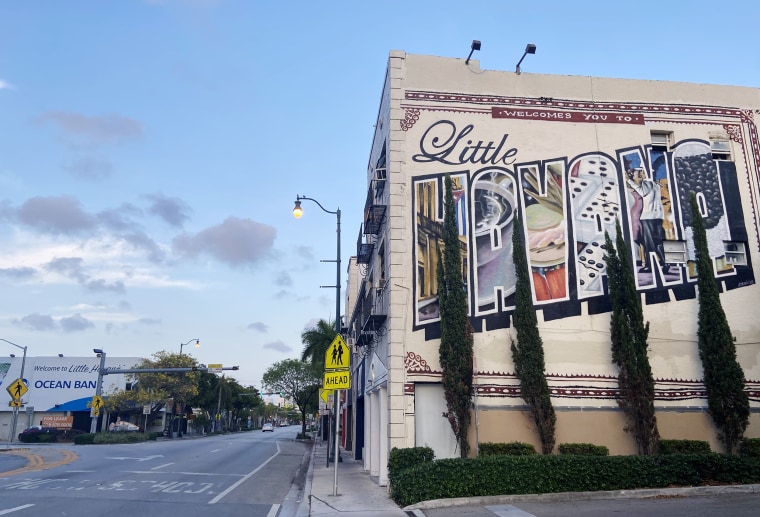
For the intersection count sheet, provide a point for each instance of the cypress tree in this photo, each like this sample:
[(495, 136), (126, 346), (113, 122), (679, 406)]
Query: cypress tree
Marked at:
[(727, 402), (528, 348), (455, 351), (628, 335)]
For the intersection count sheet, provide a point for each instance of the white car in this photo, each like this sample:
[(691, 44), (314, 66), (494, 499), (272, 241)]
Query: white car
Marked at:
[(267, 427), (124, 427)]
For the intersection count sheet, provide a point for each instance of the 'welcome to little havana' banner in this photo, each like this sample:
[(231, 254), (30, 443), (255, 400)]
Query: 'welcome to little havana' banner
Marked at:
[(63, 383)]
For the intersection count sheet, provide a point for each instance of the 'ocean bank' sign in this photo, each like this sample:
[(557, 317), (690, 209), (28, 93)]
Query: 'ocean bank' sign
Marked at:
[(63, 383)]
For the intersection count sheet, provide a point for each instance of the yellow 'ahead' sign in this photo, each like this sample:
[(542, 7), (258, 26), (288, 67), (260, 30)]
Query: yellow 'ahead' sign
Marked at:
[(340, 380), (337, 355)]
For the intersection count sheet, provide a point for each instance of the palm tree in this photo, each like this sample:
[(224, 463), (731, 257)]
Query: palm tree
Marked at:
[(316, 341)]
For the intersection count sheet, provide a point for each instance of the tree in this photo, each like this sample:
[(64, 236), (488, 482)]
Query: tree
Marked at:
[(528, 348), (628, 336), (298, 380), (316, 341), (455, 351), (177, 386), (727, 402)]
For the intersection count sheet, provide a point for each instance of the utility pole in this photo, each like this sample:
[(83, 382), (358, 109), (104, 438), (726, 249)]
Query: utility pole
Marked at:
[(99, 387)]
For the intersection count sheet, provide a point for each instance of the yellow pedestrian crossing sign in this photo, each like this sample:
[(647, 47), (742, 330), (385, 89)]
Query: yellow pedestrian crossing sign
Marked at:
[(95, 405), (325, 395), (17, 389), (337, 355), (338, 380)]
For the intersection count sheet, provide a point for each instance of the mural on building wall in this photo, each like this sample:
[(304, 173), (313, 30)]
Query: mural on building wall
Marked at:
[(566, 205)]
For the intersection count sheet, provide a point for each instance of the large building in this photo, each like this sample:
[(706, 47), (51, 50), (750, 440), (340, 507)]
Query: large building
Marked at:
[(57, 386), (571, 155)]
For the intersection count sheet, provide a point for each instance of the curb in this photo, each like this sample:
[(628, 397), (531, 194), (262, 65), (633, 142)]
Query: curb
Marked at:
[(585, 496), (304, 508)]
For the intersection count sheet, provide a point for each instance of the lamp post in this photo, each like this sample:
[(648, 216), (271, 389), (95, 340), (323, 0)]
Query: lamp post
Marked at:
[(21, 378), (197, 345), (298, 212), (99, 387), (179, 423)]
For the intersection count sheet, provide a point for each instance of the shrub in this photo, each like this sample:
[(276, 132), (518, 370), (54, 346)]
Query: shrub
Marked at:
[(506, 449), (84, 439), (583, 449), (750, 447), (402, 459), (684, 446), (536, 474)]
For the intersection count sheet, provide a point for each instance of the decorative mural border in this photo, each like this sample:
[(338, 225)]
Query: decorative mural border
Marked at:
[(666, 390)]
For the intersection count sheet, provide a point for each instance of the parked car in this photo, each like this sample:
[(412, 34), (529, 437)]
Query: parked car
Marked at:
[(267, 427), (123, 427), (38, 433)]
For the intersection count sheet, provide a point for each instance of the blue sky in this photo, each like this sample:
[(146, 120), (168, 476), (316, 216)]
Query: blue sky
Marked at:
[(151, 151)]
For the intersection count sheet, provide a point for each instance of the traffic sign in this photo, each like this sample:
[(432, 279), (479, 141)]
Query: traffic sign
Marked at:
[(17, 389), (340, 380), (15, 403), (325, 395), (215, 368), (336, 357), (96, 404)]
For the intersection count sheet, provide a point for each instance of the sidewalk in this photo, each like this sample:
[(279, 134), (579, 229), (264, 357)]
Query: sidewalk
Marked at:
[(358, 495)]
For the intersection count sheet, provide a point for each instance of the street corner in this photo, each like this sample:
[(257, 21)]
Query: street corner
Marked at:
[(27, 460)]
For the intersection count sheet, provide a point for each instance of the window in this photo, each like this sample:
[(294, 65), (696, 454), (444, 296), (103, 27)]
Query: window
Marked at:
[(736, 253), (662, 139), (675, 252), (720, 148)]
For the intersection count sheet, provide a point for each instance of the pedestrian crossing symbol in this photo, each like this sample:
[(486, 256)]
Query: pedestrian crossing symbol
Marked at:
[(17, 389), (337, 355)]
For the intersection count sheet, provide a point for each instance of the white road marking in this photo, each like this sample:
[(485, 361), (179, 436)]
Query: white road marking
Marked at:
[(216, 450), (244, 478), (273, 510), (507, 510), (146, 458), (16, 509), (162, 466)]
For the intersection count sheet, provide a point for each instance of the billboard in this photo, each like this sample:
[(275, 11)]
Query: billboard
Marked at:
[(62, 383)]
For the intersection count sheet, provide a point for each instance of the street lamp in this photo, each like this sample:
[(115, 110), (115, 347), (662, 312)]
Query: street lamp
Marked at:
[(197, 344), (297, 213), (21, 378)]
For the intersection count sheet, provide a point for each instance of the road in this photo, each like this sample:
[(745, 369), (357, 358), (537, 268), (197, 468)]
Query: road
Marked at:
[(249, 473)]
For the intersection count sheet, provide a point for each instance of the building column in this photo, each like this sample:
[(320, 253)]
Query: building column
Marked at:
[(374, 436), (383, 437)]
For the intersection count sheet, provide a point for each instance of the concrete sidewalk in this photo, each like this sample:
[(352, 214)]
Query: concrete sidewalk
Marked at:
[(358, 495)]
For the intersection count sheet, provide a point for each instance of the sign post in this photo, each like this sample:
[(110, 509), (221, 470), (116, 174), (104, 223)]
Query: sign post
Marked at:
[(336, 377)]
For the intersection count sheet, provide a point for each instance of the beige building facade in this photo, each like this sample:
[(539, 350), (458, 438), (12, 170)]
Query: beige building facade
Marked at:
[(571, 155)]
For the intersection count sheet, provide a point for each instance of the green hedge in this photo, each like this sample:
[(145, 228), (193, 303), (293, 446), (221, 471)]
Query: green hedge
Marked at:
[(103, 438), (684, 447), (402, 459), (536, 474), (84, 439), (750, 447), (583, 449), (508, 449)]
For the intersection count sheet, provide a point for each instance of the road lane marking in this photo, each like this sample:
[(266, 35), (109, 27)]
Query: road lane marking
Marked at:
[(36, 462), (244, 478), (16, 509), (273, 510), (162, 466)]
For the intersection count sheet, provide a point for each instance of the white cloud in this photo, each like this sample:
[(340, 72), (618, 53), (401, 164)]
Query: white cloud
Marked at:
[(4, 85), (236, 242)]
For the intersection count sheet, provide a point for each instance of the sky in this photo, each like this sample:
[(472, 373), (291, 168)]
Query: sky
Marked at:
[(151, 150)]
